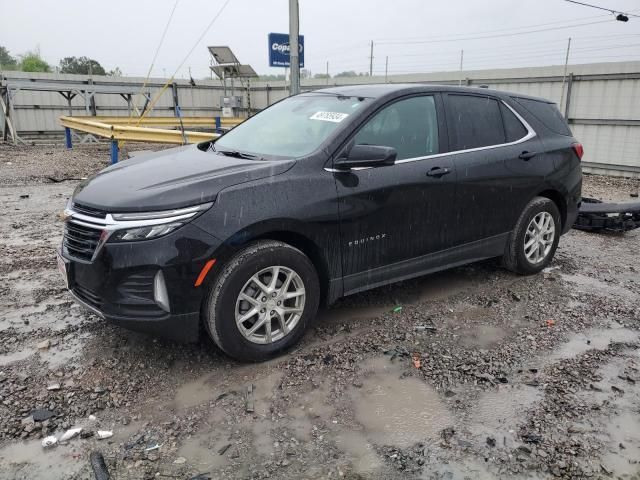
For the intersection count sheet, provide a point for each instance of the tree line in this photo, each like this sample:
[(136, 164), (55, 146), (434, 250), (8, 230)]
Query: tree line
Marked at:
[(32, 61)]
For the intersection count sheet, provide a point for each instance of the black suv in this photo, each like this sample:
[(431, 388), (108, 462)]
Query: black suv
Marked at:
[(319, 196)]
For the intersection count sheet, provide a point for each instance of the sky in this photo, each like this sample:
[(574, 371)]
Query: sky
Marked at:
[(408, 35)]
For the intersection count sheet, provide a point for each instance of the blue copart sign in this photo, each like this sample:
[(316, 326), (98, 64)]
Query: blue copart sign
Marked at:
[(279, 50)]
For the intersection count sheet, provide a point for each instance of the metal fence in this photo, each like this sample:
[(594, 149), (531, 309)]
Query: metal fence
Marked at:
[(601, 101)]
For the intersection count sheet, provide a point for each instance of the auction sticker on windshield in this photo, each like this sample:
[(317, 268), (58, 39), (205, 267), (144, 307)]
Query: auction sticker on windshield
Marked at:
[(336, 117)]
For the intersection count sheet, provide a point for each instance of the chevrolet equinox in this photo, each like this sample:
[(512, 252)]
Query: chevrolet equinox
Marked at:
[(319, 196)]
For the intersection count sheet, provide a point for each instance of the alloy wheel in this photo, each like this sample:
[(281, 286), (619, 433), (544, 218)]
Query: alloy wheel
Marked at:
[(270, 304), (539, 237)]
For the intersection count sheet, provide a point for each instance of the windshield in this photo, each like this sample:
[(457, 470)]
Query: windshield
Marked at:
[(291, 128)]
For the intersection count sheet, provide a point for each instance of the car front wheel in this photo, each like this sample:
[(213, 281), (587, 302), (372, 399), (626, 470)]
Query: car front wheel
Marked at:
[(534, 239), (262, 301)]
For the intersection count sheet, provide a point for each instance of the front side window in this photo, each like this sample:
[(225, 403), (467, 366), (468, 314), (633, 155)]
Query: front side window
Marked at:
[(410, 126), (293, 127), (474, 122)]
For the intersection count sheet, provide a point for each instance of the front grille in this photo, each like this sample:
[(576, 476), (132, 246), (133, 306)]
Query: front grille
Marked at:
[(90, 211), (88, 296), (79, 241)]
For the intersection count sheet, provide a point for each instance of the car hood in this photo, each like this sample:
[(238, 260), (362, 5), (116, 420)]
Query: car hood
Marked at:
[(173, 178)]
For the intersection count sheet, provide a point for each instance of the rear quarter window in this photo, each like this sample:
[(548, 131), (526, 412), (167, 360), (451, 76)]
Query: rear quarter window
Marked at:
[(547, 113)]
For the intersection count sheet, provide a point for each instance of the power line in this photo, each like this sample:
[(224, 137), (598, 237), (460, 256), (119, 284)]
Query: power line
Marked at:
[(493, 36), (602, 8)]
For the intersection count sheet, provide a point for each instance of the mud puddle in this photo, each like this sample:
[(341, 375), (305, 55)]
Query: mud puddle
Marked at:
[(595, 338), (395, 410), (27, 460)]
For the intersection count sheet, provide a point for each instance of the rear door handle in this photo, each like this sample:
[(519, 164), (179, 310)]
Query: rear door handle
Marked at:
[(527, 155), (438, 172)]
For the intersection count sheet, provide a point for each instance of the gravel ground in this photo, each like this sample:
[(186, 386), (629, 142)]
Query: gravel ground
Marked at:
[(470, 373)]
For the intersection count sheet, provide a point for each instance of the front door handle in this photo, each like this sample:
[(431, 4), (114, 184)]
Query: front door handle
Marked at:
[(438, 172), (527, 155)]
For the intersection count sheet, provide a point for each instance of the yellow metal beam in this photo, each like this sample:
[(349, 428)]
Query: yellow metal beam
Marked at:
[(133, 134), (165, 121)]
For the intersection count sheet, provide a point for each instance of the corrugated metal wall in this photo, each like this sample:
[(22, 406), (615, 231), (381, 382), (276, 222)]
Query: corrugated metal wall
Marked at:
[(603, 110)]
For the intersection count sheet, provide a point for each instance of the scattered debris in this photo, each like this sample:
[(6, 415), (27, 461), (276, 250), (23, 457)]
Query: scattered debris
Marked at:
[(104, 434), (398, 351), (447, 434), (99, 466), (44, 345), (180, 460), (531, 438), (249, 400), (491, 442), (151, 446), (69, 434), (617, 390), (49, 441), (53, 387), (425, 327), (551, 323), (23, 196), (398, 309), (224, 449), (41, 414), (416, 360)]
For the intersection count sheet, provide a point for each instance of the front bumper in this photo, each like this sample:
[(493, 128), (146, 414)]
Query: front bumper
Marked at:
[(120, 283)]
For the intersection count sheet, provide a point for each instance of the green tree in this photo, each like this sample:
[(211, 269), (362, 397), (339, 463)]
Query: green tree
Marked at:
[(116, 72), (321, 75), (350, 73), (265, 78), (6, 60), (81, 65), (33, 62)]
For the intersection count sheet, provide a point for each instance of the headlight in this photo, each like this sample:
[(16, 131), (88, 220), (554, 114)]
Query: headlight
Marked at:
[(135, 226), (144, 233)]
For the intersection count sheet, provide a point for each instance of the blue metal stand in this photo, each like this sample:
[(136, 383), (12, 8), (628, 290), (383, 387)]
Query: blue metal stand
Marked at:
[(218, 125), (67, 137), (114, 151)]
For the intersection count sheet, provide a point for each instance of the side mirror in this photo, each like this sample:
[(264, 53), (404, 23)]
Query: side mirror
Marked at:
[(367, 156)]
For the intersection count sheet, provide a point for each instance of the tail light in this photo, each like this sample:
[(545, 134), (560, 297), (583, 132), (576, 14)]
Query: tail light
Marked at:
[(579, 149)]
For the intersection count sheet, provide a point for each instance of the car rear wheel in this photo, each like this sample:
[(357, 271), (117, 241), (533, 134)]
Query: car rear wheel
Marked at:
[(535, 237), (262, 301)]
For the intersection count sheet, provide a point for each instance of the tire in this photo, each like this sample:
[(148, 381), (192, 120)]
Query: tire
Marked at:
[(516, 258), (223, 304)]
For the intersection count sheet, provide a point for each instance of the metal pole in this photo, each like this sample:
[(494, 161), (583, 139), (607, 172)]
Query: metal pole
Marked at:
[(371, 60), (564, 76), (461, 65), (386, 68), (294, 51)]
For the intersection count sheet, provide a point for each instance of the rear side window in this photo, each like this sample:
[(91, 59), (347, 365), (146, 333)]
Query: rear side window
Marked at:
[(547, 113), (513, 127), (474, 122)]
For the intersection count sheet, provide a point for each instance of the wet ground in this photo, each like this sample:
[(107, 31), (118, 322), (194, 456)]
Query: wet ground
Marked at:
[(479, 374)]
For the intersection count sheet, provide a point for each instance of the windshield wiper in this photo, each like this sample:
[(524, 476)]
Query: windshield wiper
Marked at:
[(236, 154)]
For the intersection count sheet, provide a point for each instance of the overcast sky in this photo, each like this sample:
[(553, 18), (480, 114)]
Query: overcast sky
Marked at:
[(416, 35)]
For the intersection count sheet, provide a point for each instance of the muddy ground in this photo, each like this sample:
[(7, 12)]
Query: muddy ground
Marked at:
[(479, 374)]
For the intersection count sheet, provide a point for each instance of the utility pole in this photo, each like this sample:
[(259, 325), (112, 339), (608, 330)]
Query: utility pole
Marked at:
[(461, 65), (371, 60), (386, 68), (564, 76), (294, 50)]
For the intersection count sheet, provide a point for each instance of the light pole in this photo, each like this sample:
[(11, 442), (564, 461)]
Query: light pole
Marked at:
[(294, 51)]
